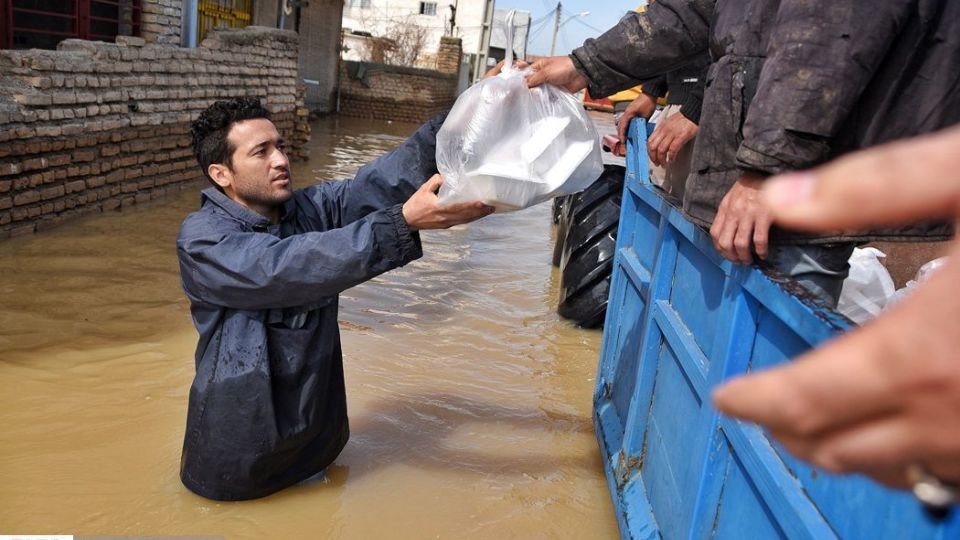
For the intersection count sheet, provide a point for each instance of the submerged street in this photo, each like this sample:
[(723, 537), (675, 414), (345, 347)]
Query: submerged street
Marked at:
[(469, 398)]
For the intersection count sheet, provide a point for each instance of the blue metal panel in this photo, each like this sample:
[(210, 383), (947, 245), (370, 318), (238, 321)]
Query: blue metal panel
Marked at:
[(680, 320)]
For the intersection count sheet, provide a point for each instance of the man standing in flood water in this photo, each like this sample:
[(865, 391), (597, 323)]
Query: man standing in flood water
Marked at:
[(262, 266)]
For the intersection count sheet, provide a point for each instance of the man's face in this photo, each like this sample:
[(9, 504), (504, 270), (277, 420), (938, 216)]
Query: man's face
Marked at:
[(260, 176)]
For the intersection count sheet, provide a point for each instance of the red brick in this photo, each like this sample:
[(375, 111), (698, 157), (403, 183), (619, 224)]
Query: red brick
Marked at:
[(78, 185), (52, 192), (7, 169), (95, 182), (84, 155), (27, 197)]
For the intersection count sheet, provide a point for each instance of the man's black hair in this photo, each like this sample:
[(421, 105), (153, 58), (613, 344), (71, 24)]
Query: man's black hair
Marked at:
[(209, 130)]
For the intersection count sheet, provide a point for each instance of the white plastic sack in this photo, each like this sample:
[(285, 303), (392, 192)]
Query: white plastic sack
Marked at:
[(867, 288), (923, 274), (512, 147)]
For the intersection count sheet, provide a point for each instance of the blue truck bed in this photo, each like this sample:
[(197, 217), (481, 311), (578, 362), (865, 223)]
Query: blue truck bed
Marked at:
[(680, 320)]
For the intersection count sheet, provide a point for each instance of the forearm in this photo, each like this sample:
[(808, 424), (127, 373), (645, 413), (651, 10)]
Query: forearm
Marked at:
[(246, 270), (393, 178), (645, 45), (386, 181)]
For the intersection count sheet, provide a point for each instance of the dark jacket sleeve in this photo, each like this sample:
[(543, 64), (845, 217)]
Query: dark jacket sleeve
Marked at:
[(686, 86), (821, 57), (256, 270), (386, 181), (656, 87), (645, 45)]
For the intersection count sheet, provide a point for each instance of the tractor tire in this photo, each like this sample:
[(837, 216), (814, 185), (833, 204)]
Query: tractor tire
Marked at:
[(586, 262)]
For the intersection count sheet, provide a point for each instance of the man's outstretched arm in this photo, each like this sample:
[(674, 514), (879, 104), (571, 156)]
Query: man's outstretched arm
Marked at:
[(641, 46)]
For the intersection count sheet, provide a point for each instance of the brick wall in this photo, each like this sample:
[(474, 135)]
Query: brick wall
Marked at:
[(449, 55), (99, 126), (400, 94), (161, 21)]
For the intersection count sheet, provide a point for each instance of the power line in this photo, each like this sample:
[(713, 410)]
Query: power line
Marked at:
[(590, 26), (545, 17), (534, 36), (538, 30)]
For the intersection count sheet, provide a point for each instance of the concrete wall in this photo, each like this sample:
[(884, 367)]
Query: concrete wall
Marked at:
[(97, 126), (320, 52), (394, 93), (319, 46), (265, 13)]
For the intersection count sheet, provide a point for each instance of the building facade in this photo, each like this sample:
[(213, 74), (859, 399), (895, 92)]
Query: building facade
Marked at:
[(365, 22), (98, 124), (28, 24)]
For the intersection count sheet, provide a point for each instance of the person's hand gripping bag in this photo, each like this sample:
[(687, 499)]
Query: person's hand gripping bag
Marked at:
[(512, 147)]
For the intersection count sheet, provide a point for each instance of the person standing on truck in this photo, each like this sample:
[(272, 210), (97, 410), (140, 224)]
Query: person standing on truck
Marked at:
[(793, 83), (670, 146), (262, 266)]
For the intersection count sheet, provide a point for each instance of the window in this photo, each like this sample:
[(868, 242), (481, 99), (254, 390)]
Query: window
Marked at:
[(362, 4), (41, 24), (428, 8)]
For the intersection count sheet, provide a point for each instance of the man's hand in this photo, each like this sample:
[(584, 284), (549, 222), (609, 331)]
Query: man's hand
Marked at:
[(643, 107), (743, 222), (887, 395), (669, 137), (558, 71), (423, 211)]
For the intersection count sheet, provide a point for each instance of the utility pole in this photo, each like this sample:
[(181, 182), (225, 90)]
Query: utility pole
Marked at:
[(556, 29), (453, 18)]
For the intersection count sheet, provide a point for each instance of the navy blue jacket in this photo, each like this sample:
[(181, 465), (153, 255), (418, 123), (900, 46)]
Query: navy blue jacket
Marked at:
[(268, 406)]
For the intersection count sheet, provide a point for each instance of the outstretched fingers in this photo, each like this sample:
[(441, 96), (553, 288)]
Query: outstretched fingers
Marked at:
[(870, 188)]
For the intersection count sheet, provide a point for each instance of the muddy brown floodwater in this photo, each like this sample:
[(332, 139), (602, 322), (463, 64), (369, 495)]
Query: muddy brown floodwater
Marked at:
[(469, 399)]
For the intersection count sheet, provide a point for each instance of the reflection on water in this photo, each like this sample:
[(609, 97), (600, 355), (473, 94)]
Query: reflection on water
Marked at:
[(469, 399)]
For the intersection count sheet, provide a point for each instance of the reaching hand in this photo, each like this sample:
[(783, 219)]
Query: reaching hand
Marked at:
[(901, 182), (884, 397), (643, 107), (742, 222), (669, 137), (423, 211), (558, 71)]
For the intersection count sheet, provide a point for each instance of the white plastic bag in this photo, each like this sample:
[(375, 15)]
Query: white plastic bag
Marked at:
[(923, 274), (867, 288), (512, 147)]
